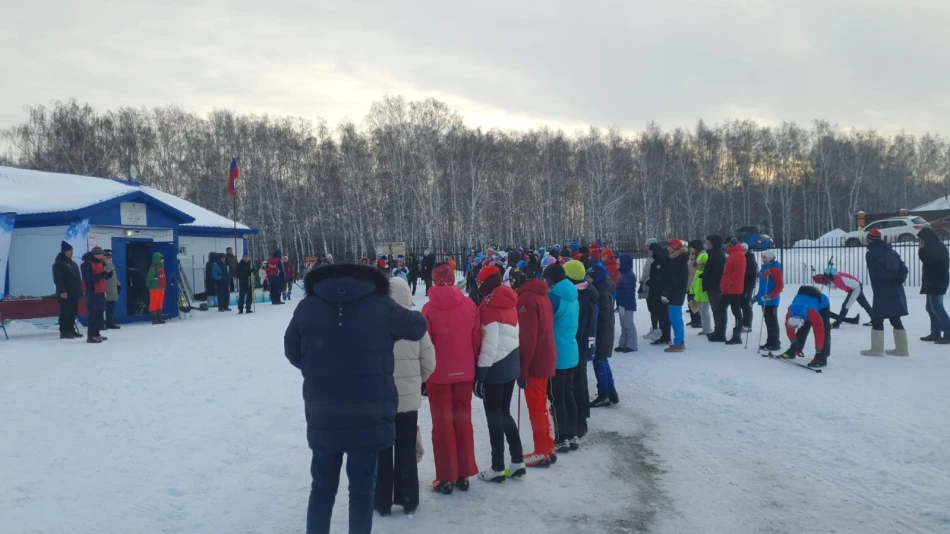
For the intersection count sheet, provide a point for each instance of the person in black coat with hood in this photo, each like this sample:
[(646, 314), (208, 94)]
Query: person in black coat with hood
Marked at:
[(887, 272), (673, 297), (712, 276), (587, 299), (341, 337), (211, 287), (935, 278), (750, 284), (425, 269), (242, 273), (655, 296), (68, 283)]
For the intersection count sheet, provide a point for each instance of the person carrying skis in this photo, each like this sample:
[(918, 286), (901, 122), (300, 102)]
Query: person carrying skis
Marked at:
[(456, 333), (290, 276), (732, 285), (888, 274), (771, 285), (627, 301), (564, 305), (835, 279), (675, 277), (496, 373), (536, 349), (243, 275), (810, 310), (749, 285)]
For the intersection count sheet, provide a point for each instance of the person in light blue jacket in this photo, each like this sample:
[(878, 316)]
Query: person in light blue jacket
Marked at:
[(566, 308)]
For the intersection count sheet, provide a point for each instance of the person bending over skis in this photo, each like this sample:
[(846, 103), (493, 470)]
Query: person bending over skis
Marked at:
[(811, 310), (850, 284)]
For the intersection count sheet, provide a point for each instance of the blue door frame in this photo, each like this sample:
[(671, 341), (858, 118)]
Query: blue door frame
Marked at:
[(119, 259)]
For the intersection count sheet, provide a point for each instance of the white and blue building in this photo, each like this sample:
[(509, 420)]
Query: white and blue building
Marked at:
[(131, 219)]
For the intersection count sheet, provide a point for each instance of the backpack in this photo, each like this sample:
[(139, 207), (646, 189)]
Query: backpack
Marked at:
[(272, 269)]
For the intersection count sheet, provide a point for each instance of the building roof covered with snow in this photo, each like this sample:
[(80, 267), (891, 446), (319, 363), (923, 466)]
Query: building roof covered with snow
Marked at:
[(942, 203), (36, 195)]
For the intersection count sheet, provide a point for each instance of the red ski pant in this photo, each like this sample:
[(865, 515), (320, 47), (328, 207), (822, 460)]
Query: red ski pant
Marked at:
[(156, 297), (453, 443), (536, 396)]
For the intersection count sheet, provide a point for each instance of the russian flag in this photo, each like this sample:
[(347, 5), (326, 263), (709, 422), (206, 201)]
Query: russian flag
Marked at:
[(233, 175)]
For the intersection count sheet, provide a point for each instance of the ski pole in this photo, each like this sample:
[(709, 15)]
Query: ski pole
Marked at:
[(761, 323)]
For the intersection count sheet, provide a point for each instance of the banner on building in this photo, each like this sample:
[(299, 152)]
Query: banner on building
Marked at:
[(6, 235), (77, 235)]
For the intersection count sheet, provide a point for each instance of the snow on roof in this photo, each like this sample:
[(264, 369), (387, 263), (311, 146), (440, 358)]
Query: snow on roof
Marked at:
[(941, 203), (831, 238), (27, 191)]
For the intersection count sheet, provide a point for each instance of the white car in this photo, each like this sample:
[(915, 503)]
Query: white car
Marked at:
[(893, 230)]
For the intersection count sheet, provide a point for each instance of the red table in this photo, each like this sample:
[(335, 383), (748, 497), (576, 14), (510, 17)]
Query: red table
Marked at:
[(33, 309)]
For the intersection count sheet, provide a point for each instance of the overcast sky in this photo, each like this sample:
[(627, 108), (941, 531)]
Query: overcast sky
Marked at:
[(878, 64)]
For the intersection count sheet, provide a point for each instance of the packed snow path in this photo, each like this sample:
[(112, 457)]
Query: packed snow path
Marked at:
[(197, 426)]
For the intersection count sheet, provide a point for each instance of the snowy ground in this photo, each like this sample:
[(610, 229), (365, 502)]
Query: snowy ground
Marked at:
[(197, 426)]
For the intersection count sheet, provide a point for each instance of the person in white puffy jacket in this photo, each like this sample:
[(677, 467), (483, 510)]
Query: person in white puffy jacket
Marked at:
[(397, 476)]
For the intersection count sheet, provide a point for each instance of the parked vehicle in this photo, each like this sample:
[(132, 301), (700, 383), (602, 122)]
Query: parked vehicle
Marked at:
[(893, 230), (942, 227), (756, 241)]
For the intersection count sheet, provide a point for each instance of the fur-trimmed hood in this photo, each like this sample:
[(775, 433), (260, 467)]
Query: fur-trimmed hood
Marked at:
[(345, 282)]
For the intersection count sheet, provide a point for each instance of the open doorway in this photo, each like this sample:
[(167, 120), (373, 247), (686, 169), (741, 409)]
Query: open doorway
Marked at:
[(138, 258)]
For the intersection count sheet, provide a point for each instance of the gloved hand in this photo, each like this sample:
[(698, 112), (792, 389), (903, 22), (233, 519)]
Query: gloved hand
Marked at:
[(109, 274), (424, 392), (664, 300), (523, 384), (479, 389)]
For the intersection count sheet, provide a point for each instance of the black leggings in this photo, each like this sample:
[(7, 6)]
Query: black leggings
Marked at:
[(878, 324), (501, 425), (565, 406), (727, 302)]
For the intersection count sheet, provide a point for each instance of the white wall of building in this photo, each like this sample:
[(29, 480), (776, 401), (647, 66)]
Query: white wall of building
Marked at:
[(32, 252)]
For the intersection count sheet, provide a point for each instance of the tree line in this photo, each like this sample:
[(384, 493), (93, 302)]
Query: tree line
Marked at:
[(412, 171)]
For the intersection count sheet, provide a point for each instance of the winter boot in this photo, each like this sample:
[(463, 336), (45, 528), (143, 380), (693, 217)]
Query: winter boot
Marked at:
[(651, 334), (575, 444), (855, 320), (900, 342), (836, 325), (931, 337), (614, 398), (877, 344), (713, 338), (736, 336), (445, 488), (516, 471), (462, 484), (599, 402), (943, 341), (154, 317), (563, 447), (676, 348), (490, 475), (537, 460), (661, 341), (94, 340), (818, 362), (161, 319)]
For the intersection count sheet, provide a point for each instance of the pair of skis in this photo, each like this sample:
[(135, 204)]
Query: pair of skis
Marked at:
[(768, 354)]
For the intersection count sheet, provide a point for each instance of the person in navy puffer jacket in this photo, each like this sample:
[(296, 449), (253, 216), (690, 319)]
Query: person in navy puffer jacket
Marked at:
[(627, 300), (341, 338)]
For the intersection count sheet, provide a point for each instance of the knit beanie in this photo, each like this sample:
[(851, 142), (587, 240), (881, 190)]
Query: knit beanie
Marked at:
[(697, 245), (488, 272), (731, 242), (874, 235), (517, 279), (64, 246), (595, 254), (554, 274), (675, 244), (442, 275), (575, 270), (770, 254)]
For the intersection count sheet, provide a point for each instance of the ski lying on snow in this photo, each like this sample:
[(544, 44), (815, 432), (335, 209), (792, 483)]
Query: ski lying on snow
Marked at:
[(793, 362)]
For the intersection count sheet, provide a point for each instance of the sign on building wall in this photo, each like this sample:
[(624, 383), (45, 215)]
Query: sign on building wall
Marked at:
[(133, 214)]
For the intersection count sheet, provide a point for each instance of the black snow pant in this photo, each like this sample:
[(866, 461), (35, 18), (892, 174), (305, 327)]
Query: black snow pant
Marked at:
[(719, 313), (275, 293), (96, 323), (501, 425), (727, 302), (68, 311), (565, 406), (802, 335), (413, 283), (397, 474), (773, 338), (110, 314), (244, 296), (223, 294), (428, 282), (747, 310), (662, 314), (581, 395)]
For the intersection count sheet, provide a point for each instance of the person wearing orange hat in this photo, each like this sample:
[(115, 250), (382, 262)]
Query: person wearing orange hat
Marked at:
[(675, 280)]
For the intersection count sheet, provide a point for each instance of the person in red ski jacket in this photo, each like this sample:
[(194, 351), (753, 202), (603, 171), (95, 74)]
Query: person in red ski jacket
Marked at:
[(538, 358), (732, 286), (290, 275), (456, 332), (497, 371)]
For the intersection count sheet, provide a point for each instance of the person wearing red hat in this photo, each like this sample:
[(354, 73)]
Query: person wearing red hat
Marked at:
[(887, 272), (497, 370), (456, 332)]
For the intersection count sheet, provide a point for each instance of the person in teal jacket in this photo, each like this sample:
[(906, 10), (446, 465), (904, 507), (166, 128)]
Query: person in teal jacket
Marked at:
[(566, 308)]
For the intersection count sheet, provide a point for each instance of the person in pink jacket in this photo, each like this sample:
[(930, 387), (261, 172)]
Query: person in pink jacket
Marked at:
[(850, 284), (456, 332)]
